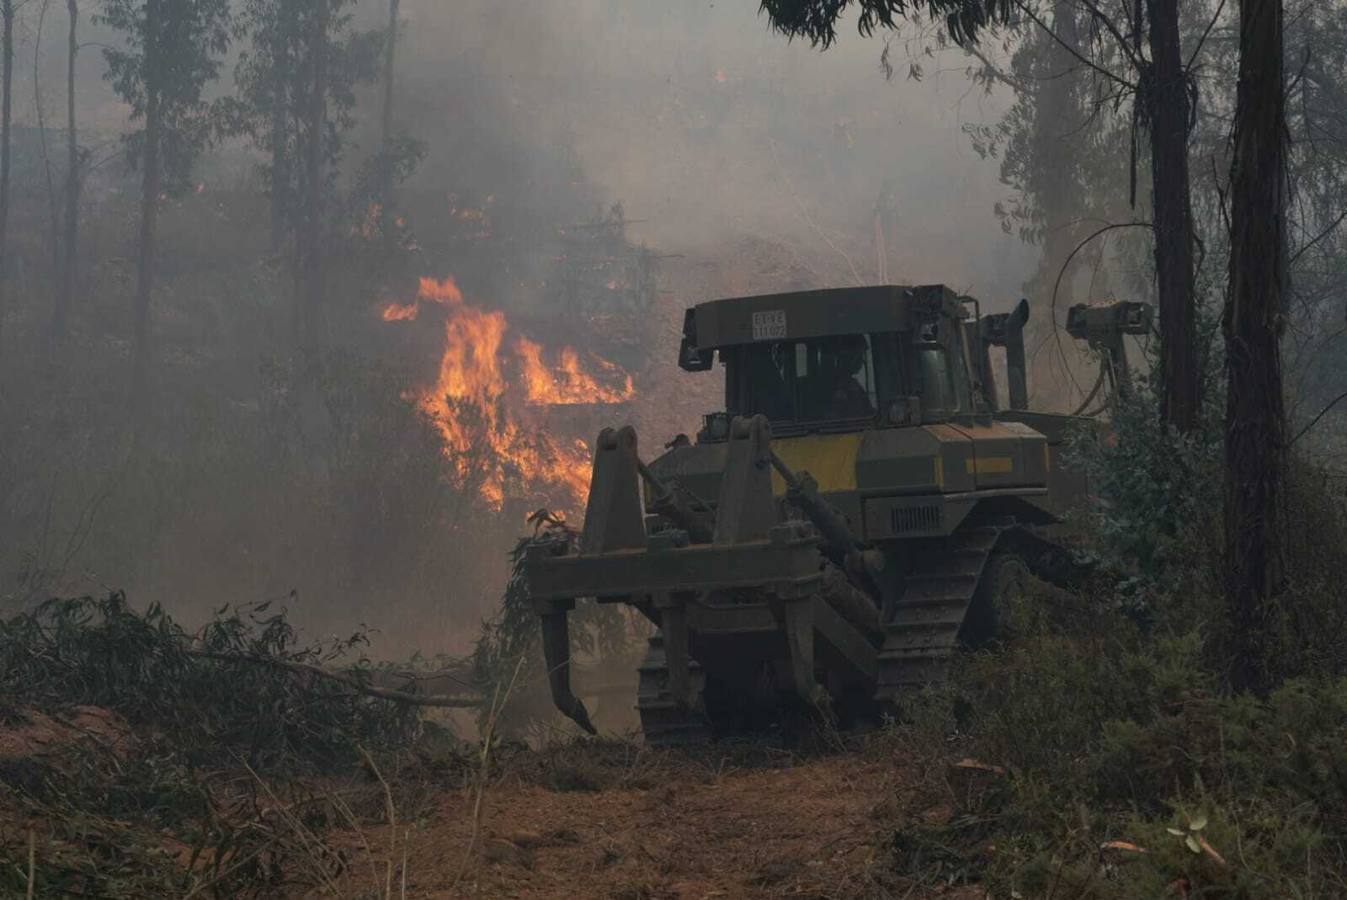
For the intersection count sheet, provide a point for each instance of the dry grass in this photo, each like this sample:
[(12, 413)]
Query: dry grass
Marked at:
[(584, 817)]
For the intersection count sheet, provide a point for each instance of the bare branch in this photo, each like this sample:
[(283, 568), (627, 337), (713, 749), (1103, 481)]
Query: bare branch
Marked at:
[(1103, 19), (1203, 40), (1320, 236), (1111, 76), (1315, 421), (458, 701)]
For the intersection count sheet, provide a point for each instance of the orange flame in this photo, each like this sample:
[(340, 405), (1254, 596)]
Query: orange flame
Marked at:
[(568, 383), (400, 312), (473, 402)]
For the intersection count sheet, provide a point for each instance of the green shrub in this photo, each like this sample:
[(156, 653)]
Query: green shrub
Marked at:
[(1156, 494), (1114, 733)]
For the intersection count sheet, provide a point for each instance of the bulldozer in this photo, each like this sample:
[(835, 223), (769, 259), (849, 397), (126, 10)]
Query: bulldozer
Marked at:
[(863, 504)]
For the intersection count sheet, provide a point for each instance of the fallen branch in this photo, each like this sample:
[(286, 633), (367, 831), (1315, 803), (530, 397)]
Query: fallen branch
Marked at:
[(456, 701)]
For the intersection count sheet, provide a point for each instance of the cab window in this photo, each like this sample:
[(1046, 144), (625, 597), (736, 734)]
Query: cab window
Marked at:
[(816, 380), (935, 380)]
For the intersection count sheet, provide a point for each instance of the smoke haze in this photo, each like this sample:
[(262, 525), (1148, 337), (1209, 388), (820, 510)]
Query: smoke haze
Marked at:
[(708, 127), (741, 162)]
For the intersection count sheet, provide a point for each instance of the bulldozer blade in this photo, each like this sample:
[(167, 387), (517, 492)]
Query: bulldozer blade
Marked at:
[(614, 519), (557, 657), (746, 510)]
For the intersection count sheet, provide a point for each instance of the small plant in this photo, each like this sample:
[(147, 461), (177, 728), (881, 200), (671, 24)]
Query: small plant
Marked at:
[(1191, 835)]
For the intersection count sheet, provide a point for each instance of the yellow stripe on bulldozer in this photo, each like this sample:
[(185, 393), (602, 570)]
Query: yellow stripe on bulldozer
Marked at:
[(830, 458), (990, 465)]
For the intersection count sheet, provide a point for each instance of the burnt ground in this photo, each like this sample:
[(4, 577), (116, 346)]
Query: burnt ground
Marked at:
[(621, 822)]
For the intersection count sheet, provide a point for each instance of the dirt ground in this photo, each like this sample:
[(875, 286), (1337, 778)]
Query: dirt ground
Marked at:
[(687, 828)]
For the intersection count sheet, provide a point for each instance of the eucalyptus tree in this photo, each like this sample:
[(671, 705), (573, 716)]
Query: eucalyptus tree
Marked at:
[(170, 51), (297, 82), (386, 117)]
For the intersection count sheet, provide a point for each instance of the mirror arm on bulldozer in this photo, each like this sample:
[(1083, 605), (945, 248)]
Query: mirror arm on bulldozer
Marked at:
[(1006, 330)]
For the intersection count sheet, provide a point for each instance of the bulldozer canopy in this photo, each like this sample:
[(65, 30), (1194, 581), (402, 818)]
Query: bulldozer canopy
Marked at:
[(815, 314)]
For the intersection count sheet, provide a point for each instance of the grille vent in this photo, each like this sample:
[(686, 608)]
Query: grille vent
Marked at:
[(915, 518)]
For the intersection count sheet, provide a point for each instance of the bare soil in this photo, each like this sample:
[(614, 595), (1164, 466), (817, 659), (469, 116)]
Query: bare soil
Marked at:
[(651, 826), (32, 734)]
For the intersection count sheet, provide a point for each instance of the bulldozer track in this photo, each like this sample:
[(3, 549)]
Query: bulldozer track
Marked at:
[(664, 721), (919, 638), (924, 627)]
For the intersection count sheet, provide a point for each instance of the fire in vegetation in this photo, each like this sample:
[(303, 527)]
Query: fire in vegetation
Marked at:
[(567, 383), (490, 399)]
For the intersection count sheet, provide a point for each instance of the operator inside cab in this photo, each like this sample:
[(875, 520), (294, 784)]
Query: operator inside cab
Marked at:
[(825, 379), (838, 378)]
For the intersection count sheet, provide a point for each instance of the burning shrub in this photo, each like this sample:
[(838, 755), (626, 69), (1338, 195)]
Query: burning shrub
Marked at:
[(483, 390)]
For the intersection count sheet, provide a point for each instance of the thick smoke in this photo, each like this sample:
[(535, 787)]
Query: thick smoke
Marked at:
[(710, 129), (742, 163)]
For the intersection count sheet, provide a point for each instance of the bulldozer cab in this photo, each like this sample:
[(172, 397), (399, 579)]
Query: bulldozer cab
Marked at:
[(844, 360)]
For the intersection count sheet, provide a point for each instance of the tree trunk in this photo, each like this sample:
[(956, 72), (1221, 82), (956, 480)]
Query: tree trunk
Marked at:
[(310, 289), (1165, 95), (280, 147), (6, 119), (1057, 114), (1052, 177), (53, 203), (1255, 430), (70, 245), (390, 58), (149, 214)]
